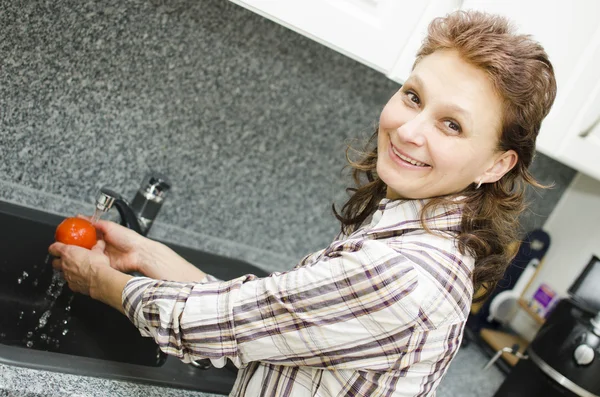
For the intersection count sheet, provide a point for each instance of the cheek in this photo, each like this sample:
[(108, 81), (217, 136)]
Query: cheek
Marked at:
[(384, 117), (392, 116), (449, 155), (459, 160)]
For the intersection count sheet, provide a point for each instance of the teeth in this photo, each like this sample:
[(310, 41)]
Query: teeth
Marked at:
[(409, 160)]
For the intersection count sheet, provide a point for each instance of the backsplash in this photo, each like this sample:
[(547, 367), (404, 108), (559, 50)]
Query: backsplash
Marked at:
[(247, 118)]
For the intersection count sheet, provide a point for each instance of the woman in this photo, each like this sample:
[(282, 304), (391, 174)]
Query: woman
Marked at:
[(381, 310)]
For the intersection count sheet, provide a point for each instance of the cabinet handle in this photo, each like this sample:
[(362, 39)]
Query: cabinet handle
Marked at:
[(587, 131)]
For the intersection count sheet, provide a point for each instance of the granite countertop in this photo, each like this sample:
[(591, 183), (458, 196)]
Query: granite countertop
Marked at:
[(19, 381), (25, 382)]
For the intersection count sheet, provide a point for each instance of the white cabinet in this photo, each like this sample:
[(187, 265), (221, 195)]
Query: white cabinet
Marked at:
[(373, 32), (580, 143)]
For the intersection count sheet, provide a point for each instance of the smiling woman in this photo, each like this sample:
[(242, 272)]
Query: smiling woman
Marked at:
[(381, 310), (462, 129)]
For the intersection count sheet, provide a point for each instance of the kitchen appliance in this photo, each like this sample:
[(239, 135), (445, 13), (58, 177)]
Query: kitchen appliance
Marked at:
[(586, 288), (564, 357), (531, 251), (505, 305)]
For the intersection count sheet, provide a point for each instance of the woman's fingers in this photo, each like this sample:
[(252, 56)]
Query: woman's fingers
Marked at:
[(105, 226), (57, 263), (99, 247), (56, 249), (97, 225)]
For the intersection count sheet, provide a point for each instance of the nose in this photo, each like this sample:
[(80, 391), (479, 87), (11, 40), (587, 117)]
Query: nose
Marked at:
[(413, 131)]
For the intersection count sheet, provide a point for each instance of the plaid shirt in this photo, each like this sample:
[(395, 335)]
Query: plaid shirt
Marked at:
[(378, 313)]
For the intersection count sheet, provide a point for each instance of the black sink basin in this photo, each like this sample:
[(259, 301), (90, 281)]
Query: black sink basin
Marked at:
[(44, 325)]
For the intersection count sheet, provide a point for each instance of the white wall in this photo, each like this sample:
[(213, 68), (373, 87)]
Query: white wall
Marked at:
[(574, 228)]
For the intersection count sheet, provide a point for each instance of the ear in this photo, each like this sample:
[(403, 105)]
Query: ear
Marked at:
[(504, 163)]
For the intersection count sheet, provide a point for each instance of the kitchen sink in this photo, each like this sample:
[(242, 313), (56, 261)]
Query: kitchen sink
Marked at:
[(44, 325)]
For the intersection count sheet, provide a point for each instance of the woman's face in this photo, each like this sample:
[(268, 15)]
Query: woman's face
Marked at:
[(440, 131)]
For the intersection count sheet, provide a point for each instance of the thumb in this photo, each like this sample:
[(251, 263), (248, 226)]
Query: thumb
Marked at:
[(99, 247), (104, 227), (56, 249)]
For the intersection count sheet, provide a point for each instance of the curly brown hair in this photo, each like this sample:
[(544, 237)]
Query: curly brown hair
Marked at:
[(523, 76)]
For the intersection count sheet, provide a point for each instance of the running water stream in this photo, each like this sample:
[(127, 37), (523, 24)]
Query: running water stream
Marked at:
[(42, 317), (55, 320)]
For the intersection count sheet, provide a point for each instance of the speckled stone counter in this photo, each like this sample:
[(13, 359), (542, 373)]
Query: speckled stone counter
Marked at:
[(24, 382)]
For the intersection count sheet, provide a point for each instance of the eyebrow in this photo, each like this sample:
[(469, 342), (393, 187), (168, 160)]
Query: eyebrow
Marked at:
[(416, 80)]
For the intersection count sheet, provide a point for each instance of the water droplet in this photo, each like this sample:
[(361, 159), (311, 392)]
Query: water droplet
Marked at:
[(29, 343), (19, 281), (25, 275), (29, 334), (65, 322), (65, 331), (35, 282), (44, 319), (2, 335), (68, 308), (43, 336), (33, 312), (21, 316), (56, 285)]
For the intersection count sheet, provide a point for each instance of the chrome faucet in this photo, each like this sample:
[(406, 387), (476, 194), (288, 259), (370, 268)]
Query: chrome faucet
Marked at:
[(140, 214)]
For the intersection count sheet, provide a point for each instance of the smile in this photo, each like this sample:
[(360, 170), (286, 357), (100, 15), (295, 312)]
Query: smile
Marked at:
[(407, 159)]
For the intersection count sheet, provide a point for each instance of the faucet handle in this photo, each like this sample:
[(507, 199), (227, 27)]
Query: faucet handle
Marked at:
[(155, 185)]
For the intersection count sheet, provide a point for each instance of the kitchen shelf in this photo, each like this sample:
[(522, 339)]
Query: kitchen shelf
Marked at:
[(537, 318)]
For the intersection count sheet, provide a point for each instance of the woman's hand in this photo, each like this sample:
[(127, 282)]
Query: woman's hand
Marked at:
[(88, 272), (129, 252), (126, 250), (79, 265)]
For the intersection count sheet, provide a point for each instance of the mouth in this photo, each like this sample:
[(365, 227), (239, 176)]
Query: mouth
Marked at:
[(407, 160)]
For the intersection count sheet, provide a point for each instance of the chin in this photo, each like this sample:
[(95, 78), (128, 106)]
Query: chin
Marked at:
[(391, 179), (400, 195)]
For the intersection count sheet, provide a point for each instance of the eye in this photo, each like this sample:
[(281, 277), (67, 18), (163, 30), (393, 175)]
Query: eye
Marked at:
[(413, 97), (453, 125)]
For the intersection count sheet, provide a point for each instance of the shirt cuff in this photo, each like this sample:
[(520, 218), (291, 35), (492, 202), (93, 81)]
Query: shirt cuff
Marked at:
[(132, 297), (210, 279)]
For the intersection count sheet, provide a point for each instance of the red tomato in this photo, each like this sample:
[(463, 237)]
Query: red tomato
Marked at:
[(76, 231)]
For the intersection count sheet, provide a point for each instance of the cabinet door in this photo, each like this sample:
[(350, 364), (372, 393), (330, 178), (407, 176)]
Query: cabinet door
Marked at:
[(372, 32), (580, 147)]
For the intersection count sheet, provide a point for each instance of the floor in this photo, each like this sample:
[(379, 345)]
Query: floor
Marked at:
[(466, 378)]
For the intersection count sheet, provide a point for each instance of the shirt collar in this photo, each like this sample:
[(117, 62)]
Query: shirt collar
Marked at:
[(403, 215)]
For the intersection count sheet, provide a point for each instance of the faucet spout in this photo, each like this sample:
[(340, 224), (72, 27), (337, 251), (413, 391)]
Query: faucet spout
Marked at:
[(107, 198)]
